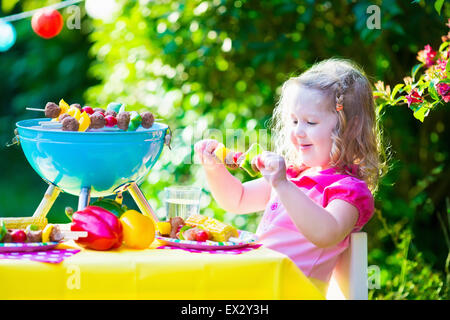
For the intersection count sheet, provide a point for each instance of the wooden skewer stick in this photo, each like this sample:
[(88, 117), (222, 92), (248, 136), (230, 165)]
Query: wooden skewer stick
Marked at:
[(36, 109), (74, 235), (43, 110)]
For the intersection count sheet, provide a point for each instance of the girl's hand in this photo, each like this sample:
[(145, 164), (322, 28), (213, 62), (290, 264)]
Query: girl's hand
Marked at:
[(205, 152), (272, 166)]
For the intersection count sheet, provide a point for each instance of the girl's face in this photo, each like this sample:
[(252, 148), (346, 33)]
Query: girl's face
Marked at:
[(311, 126)]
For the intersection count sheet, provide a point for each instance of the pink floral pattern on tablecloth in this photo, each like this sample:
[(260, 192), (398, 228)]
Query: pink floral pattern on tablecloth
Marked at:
[(218, 251), (49, 256)]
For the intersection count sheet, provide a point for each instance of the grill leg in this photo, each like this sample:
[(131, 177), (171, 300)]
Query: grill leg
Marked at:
[(47, 201), (141, 202), (85, 197)]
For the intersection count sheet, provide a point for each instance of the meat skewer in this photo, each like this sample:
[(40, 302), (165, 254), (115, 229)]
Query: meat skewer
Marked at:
[(98, 118), (51, 233)]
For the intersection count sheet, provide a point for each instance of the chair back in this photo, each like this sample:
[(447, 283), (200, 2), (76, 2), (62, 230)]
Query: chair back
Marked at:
[(349, 278)]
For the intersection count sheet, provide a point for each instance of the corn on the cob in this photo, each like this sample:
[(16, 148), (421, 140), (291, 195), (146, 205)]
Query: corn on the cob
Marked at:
[(22, 223), (195, 219), (219, 231)]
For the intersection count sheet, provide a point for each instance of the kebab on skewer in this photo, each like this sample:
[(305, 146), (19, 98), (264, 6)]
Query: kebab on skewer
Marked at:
[(234, 160), (50, 233), (75, 118)]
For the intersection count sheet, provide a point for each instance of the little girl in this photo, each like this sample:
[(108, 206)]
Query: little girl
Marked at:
[(316, 186)]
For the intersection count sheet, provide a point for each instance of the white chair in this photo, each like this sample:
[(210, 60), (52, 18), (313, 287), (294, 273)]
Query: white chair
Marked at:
[(349, 279)]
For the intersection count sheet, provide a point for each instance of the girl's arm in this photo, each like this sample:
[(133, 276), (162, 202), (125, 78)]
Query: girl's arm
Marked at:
[(228, 191), (324, 227), (235, 197)]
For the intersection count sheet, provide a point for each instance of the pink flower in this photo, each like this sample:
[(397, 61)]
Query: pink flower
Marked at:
[(441, 65), (444, 90), (413, 97), (427, 55)]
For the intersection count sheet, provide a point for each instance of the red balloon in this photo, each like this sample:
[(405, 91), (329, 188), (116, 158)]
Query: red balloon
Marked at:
[(47, 23)]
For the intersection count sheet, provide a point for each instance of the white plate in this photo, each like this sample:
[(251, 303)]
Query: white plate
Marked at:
[(245, 238)]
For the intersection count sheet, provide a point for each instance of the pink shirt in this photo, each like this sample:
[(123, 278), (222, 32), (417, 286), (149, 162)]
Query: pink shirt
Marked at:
[(277, 231)]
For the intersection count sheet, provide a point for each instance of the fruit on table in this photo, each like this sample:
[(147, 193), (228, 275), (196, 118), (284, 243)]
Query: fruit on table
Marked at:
[(138, 230), (19, 236), (103, 227), (164, 228), (111, 205)]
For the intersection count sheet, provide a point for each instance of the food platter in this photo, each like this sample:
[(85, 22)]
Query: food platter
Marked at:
[(245, 238), (27, 246)]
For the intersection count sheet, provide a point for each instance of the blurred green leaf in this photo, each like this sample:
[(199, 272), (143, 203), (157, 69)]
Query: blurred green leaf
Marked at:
[(396, 89), (432, 90), (415, 69), (421, 112), (438, 5)]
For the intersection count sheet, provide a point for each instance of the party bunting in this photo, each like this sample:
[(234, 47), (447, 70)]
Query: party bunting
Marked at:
[(47, 22)]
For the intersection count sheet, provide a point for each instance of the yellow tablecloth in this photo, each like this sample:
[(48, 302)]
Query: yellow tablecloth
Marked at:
[(158, 274)]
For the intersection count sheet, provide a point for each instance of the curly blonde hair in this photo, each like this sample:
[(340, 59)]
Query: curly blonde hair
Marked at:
[(357, 138)]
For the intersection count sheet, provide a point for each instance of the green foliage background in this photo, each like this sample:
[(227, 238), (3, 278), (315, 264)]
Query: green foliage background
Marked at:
[(202, 65)]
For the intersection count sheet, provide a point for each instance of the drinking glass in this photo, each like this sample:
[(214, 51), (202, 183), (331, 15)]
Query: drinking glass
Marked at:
[(182, 201)]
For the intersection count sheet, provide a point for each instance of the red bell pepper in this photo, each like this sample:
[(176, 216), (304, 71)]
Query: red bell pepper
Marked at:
[(103, 228)]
